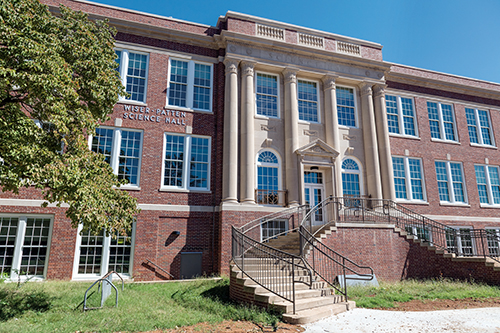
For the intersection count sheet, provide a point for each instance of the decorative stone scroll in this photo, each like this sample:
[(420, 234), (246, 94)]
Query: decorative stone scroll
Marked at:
[(231, 66)]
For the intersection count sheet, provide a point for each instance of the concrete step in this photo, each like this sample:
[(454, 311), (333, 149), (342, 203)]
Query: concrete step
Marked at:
[(315, 314), (307, 303), (257, 289), (299, 294), (269, 280), (239, 274)]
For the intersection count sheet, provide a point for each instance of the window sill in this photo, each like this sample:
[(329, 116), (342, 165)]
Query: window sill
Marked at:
[(259, 116), (412, 202), (445, 141), (126, 101), (305, 122), (482, 146), (182, 190), (128, 188), (348, 127), (184, 109), (483, 205), (454, 204), (402, 136)]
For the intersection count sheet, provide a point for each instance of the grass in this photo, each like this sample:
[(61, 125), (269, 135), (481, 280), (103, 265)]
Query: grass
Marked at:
[(141, 307), (405, 291)]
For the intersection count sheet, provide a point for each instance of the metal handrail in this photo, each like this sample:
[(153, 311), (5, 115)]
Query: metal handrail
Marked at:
[(100, 280), (161, 269), (282, 265)]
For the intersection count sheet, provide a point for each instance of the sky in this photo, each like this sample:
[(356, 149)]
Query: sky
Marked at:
[(460, 37)]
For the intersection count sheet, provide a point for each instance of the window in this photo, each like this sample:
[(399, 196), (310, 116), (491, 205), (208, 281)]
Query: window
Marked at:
[(450, 180), (308, 101), (442, 121), (190, 85), (271, 229), (24, 245), (268, 179), (488, 184), (122, 150), (133, 69), (493, 239), (478, 122), (97, 254), (350, 178), (400, 115), (346, 108), (267, 95), (459, 241), (186, 162), (408, 178)]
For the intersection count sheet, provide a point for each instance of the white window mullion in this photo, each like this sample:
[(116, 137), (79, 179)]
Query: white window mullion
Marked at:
[(115, 151), (450, 182), (18, 248), (478, 128), (409, 194), (488, 184), (187, 159), (441, 122), (400, 116), (105, 254), (190, 85), (123, 68)]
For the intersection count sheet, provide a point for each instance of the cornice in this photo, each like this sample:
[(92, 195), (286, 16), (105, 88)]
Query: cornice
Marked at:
[(260, 20), (298, 49), (441, 85)]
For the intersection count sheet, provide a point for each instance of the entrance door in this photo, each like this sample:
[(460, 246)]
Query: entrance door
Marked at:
[(314, 190)]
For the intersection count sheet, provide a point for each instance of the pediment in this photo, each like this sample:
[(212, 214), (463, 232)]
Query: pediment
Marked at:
[(317, 148)]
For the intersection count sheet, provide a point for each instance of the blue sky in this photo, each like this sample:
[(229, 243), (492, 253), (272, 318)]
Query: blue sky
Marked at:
[(452, 36)]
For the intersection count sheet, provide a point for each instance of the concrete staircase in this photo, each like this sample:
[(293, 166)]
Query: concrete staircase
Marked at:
[(312, 303), (487, 261)]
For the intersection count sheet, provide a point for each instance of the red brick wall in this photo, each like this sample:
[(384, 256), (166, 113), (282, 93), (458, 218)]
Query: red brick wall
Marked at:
[(393, 257), (430, 151)]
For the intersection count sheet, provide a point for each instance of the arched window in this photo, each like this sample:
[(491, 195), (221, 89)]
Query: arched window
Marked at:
[(350, 178), (268, 182)]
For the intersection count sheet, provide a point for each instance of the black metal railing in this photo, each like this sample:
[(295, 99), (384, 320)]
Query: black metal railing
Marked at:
[(463, 242), (271, 197), (272, 269), (329, 265)]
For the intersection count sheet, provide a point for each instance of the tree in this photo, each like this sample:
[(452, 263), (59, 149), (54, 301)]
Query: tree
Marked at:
[(57, 83)]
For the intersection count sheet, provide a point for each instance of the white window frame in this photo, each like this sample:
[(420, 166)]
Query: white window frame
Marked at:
[(268, 165), (274, 220), (489, 189), (479, 128), (115, 153), (278, 98), (358, 172), (401, 116), (409, 191), (186, 163), (442, 132), (459, 242), (19, 245), (105, 257), (318, 106), (123, 73), (190, 85), (355, 96), (451, 192)]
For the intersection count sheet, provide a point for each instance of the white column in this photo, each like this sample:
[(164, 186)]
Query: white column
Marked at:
[(372, 164), (247, 163), (291, 117), (384, 144), (332, 133), (230, 150)]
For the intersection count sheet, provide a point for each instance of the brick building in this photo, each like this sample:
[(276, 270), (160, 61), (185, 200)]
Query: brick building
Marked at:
[(232, 122)]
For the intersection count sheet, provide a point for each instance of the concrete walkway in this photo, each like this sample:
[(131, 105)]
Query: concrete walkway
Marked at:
[(375, 321)]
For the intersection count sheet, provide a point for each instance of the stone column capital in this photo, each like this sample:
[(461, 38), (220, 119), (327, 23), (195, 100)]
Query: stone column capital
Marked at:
[(231, 65), (366, 89), (329, 81), (247, 68), (290, 75), (379, 90)]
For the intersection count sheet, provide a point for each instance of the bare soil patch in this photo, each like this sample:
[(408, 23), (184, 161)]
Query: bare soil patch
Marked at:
[(415, 305)]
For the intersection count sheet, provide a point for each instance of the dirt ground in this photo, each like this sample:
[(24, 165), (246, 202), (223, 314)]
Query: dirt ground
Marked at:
[(415, 305)]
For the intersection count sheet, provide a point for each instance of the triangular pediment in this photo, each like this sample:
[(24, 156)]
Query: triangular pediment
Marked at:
[(318, 148)]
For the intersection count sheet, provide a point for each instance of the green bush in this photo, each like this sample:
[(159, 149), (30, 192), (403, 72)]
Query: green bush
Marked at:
[(15, 302)]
